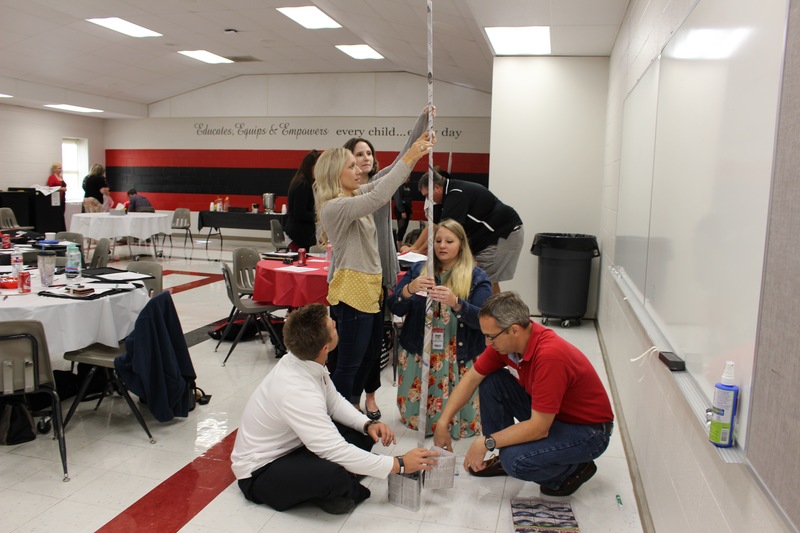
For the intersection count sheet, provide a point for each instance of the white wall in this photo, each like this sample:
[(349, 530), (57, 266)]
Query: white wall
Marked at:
[(684, 483), (30, 141), (548, 115)]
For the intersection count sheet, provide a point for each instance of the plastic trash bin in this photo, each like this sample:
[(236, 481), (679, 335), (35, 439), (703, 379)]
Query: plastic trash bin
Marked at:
[(565, 265)]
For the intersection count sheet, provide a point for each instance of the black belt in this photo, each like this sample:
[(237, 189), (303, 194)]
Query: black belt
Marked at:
[(606, 427)]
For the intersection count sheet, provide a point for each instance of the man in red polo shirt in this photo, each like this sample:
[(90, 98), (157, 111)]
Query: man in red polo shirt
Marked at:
[(530, 374)]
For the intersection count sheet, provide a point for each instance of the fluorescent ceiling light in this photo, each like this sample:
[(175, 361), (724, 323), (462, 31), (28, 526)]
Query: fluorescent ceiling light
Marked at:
[(67, 107), (309, 17), (207, 57), (709, 43), (123, 26), (522, 41), (5, 95), (359, 51)]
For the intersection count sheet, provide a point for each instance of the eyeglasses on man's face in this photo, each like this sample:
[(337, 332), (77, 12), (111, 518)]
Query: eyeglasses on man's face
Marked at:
[(491, 338)]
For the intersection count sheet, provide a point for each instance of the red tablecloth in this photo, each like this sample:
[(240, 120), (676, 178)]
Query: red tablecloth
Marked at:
[(280, 284)]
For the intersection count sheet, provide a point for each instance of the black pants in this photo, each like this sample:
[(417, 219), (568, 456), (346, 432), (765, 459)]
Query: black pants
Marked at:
[(301, 476)]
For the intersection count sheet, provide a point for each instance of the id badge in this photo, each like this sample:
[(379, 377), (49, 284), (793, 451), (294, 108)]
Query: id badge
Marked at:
[(437, 342)]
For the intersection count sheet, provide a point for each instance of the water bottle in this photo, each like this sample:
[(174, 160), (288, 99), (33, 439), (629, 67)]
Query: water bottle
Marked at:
[(16, 263), (73, 268)]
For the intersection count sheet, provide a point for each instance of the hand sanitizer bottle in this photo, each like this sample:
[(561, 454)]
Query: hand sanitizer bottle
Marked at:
[(723, 410)]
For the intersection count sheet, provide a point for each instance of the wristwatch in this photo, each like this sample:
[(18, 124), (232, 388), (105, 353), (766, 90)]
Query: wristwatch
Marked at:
[(401, 463), (367, 424), (489, 443)]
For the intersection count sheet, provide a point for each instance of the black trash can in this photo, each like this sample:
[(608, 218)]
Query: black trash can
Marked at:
[(565, 265)]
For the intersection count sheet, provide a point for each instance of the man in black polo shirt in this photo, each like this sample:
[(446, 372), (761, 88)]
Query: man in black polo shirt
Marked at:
[(494, 229)]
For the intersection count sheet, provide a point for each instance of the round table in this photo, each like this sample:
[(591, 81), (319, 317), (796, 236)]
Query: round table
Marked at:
[(290, 285), (72, 324), (103, 225)]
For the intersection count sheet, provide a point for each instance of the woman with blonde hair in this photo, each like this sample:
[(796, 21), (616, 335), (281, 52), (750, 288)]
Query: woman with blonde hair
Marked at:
[(95, 187), (345, 204), (458, 288), (56, 179)]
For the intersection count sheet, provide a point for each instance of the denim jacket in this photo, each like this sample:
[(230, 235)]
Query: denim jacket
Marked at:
[(470, 341)]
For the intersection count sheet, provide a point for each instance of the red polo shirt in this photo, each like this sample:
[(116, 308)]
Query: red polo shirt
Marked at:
[(558, 377)]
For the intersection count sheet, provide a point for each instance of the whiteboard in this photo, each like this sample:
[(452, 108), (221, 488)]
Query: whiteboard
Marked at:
[(705, 210)]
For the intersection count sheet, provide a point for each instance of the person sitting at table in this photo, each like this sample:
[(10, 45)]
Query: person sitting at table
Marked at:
[(301, 216), (56, 180), (345, 203), (461, 290), (95, 188), (136, 201), (299, 440)]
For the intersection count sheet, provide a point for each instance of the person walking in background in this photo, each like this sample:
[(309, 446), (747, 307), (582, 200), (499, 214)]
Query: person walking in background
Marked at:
[(301, 216), (56, 180), (458, 295), (345, 203), (95, 188), (366, 161), (543, 406), (136, 201)]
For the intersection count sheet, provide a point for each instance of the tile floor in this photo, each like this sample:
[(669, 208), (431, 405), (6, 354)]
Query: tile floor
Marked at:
[(112, 464)]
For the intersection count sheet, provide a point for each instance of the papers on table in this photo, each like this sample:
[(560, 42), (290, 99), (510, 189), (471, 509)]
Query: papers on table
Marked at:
[(104, 287), (123, 276), (293, 268), (412, 257)]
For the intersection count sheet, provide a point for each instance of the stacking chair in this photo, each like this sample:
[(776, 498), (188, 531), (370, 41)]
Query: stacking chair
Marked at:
[(253, 311), (182, 220), (101, 356), (278, 236), (70, 236), (25, 368), (244, 269), (154, 286), (9, 221), (100, 256)]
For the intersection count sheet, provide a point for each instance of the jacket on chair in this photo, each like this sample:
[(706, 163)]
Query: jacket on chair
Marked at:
[(156, 365)]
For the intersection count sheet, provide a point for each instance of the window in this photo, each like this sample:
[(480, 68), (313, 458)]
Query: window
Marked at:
[(75, 163)]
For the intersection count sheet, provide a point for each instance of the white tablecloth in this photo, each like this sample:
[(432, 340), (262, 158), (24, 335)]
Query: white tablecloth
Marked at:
[(74, 324), (139, 225)]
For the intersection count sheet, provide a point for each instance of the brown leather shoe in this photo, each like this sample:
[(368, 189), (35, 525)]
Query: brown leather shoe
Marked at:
[(573, 482), (493, 468)]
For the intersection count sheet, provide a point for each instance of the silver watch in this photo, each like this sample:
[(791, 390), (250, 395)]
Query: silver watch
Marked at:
[(489, 443)]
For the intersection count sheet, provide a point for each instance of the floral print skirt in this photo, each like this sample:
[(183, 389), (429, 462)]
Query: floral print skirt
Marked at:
[(445, 374)]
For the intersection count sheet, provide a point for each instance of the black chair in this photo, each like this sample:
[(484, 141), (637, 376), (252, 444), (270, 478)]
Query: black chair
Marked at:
[(25, 369)]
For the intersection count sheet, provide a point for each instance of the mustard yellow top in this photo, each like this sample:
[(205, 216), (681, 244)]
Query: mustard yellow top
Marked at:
[(359, 290)]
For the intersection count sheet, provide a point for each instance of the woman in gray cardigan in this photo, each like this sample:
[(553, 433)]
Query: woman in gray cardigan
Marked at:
[(366, 160), (345, 203)]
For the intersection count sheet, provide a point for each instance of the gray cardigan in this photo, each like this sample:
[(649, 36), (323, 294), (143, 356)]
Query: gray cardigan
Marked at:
[(351, 229)]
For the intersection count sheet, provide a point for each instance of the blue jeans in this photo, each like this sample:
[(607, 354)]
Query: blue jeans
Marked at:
[(548, 461), (359, 350)]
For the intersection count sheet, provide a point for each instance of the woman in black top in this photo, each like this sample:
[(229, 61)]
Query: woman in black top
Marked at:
[(301, 217), (94, 188)]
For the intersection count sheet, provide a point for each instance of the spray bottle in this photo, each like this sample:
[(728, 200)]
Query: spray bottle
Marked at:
[(723, 411)]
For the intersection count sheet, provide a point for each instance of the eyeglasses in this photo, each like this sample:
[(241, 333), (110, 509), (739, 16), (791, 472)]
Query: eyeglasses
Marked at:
[(491, 338)]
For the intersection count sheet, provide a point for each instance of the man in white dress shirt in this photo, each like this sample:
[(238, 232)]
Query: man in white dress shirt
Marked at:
[(299, 440)]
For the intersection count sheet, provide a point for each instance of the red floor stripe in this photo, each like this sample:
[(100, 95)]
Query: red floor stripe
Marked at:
[(173, 503), (207, 280)]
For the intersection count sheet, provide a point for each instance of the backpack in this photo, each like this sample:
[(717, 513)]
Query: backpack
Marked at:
[(16, 423)]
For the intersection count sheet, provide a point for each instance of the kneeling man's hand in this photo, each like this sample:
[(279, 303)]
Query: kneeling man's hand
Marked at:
[(419, 459), (383, 432)]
